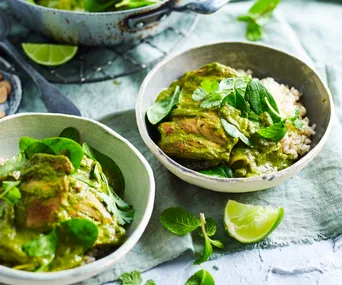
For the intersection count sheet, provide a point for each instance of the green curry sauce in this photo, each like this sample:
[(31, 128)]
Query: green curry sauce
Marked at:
[(193, 132), (51, 194)]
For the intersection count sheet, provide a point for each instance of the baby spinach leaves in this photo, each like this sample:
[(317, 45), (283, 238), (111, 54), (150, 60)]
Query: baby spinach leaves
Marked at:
[(161, 109), (84, 231), (109, 167), (180, 222), (201, 277), (57, 145), (220, 171), (10, 193), (257, 16), (234, 132), (45, 245), (133, 278), (274, 132), (71, 133)]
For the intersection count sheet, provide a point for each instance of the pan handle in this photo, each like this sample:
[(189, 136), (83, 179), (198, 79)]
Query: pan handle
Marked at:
[(202, 7), (140, 21)]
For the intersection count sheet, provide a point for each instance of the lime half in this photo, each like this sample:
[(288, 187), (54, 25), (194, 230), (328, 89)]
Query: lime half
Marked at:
[(48, 54), (248, 223)]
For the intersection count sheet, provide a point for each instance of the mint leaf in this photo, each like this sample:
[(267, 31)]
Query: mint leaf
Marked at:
[(84, 231), (254, 31), (274, 132), (220, 171), (131, 278), (210, 227), (13, 164), (201, 277), (296, 121), (208, 249), (161, 109), (263, 8), (179, 221), (209, 92), (150, 282), (234, 132)]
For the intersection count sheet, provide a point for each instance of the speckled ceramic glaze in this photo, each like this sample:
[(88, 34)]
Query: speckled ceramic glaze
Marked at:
[(140, 187), (264, 61)]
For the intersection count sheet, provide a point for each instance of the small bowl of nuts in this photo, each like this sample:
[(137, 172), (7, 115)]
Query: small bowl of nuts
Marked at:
[(10, 93)]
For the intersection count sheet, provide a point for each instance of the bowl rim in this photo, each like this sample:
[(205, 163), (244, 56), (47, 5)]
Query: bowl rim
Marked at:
[(54, 10), (166, 160), (107, 261)]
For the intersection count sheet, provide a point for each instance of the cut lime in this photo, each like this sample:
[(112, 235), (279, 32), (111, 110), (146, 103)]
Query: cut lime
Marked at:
[(248, 223), (48, 54)]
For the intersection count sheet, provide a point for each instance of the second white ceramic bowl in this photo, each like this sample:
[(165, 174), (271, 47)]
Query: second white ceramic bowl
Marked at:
[(139, 192), (264, 61)]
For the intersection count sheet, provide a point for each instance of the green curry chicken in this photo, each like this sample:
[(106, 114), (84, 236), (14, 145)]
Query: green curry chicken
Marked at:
[(59, 203), (220, 123)]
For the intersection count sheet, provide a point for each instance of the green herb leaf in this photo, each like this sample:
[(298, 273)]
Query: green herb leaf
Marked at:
[(274, 132), (252, 116), (217, 243), (25, 142), (55, 146), (261, 100), (207, 87), (254, 31), (45, 245), (296, 121), (112, 171), (210, 227), (234, 132), (71, 133), (150, 282), (263, 8), (13, 164), (11, 193), (179, 221), (131, 278), (83, 230), (207, 252), (97, 6), (201, 277), (161, 109), (220, 171)]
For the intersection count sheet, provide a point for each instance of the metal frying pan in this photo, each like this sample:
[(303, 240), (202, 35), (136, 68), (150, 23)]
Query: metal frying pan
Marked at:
[(108, 28)]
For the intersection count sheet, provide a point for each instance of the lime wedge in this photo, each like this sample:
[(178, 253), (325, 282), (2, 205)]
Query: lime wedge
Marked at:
[(248, 223), (48, 54)]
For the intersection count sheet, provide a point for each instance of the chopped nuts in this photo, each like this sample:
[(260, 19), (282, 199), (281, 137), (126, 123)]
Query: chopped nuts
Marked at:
[(5, 91)]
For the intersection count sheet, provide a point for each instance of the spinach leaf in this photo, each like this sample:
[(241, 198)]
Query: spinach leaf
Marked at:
[(179, 221), (161, 109), (257, 16), (45, 245), (274, 132), (208, 242), (13, 164), (109, 167), (234, 132), (84, 231), (71, 133), (11, 192), (25, 142), (210, 227), (55, 146), (261, 100), (131, 278), (220, 171), (252, 116), (201, 277)]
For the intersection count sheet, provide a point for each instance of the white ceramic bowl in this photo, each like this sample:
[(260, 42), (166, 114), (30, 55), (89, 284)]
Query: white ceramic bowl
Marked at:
[(264, 61), (140, 186)]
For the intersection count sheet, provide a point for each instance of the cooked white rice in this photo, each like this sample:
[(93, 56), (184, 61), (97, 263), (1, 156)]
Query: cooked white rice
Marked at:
[(295, 142)]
